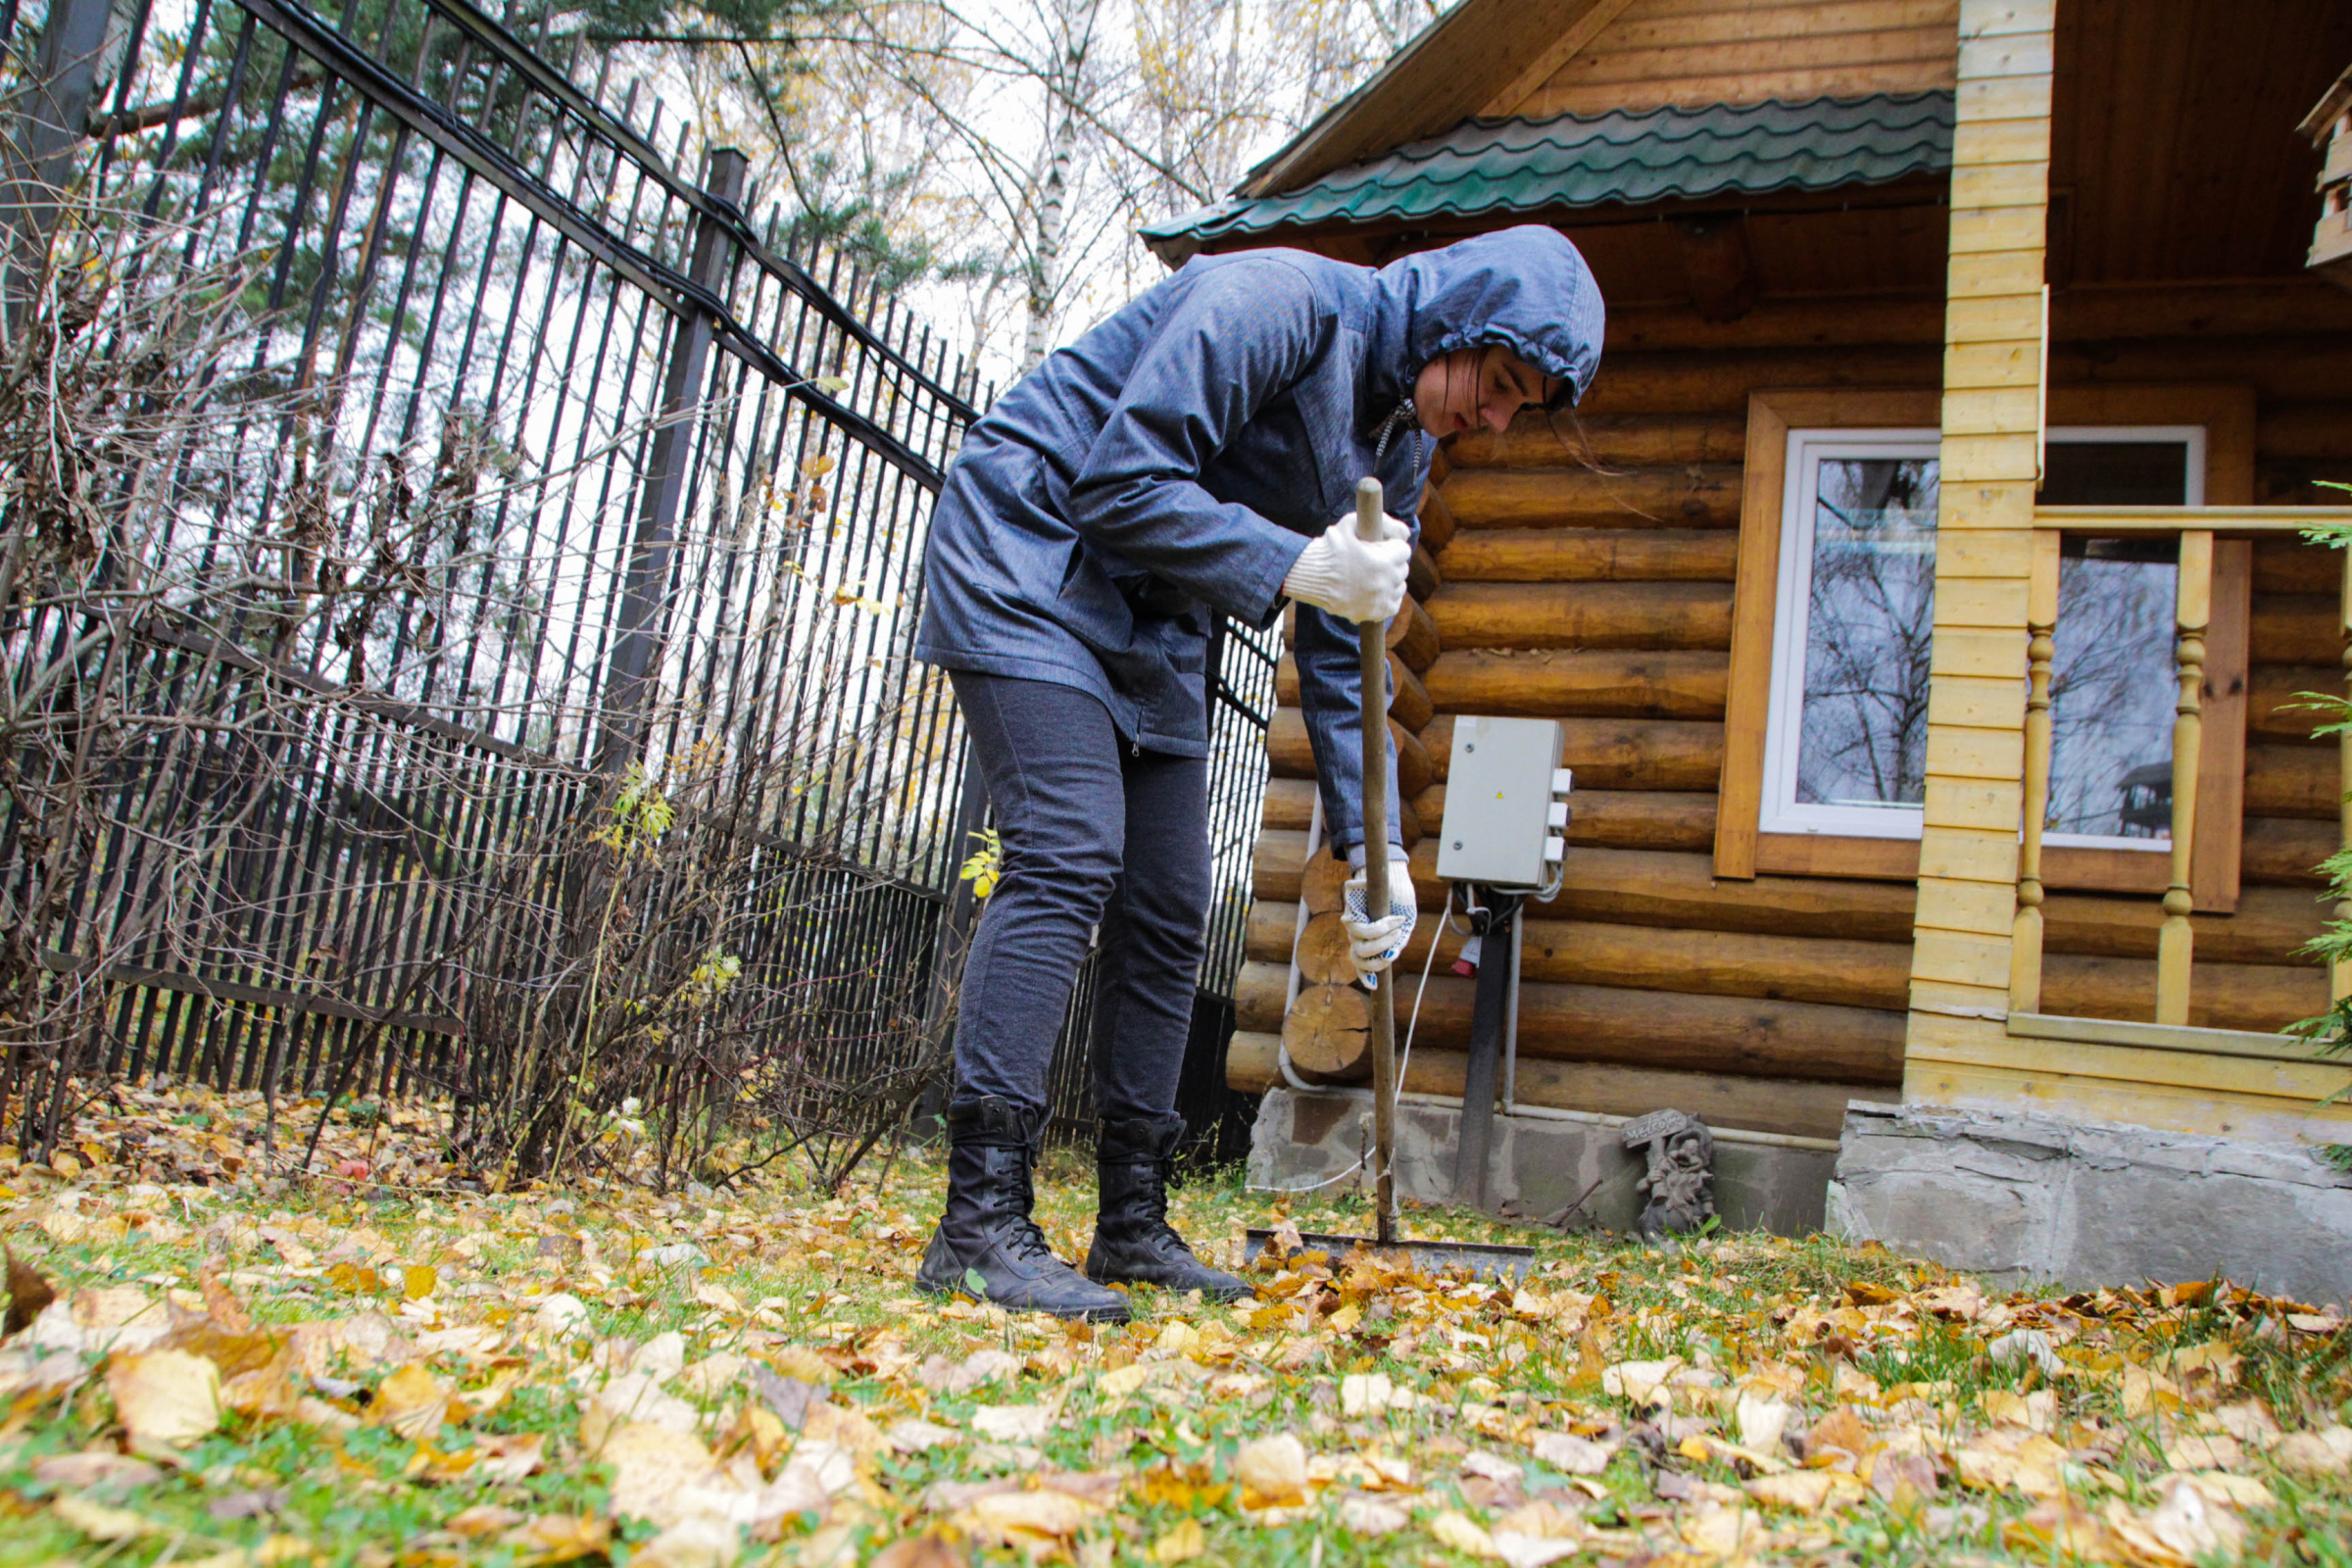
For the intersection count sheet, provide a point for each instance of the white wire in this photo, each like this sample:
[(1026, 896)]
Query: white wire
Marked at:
[(1411, 1023)]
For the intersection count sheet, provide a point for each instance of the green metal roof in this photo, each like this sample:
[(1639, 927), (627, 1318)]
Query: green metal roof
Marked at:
[(1523, 165)]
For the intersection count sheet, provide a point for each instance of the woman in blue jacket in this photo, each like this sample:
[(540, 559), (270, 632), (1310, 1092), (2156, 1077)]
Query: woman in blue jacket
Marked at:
[(1187, 458)]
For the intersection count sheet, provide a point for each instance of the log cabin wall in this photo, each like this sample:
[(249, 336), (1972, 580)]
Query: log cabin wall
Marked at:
[(1599, 592), (1592, 583), (1601, 597)]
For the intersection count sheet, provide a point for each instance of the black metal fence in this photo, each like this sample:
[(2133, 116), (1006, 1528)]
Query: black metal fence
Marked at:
[(538, 478)]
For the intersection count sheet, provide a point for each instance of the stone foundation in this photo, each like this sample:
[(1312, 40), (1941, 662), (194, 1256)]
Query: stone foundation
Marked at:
[(2032, 1198), (1541, 1165)]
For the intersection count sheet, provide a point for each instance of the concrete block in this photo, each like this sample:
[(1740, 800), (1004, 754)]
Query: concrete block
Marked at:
[(2029, 1198), (1541, 1165)]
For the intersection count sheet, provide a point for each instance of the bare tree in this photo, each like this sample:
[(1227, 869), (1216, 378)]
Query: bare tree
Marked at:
[(1007, 149)]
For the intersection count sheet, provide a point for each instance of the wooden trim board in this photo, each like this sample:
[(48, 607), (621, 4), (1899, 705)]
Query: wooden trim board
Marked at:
[(1742, 851), (1770, 416)]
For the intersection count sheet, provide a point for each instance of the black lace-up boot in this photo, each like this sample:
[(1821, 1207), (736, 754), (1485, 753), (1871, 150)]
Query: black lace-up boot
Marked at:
[(986, 1244), (1134, 1242)]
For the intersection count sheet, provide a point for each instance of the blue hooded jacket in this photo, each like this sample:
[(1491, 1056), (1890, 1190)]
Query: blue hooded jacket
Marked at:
[(1172, 463)]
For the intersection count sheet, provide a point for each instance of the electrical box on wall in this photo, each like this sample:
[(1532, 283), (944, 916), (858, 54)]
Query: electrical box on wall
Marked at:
[(1507, 817)]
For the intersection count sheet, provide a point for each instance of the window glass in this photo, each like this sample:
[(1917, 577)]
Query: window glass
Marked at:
[(1845, 742), (1864, 739), (2112, 692), (2112, 680)]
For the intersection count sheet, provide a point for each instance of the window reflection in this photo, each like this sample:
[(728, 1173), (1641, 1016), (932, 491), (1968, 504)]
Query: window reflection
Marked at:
[(2112, 692), (1864, 739)]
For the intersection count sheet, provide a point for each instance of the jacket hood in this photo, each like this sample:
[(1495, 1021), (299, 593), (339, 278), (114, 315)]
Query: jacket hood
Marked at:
[(1525, 289)]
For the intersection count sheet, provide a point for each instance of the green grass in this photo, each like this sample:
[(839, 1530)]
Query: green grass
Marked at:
[(834, 1275)]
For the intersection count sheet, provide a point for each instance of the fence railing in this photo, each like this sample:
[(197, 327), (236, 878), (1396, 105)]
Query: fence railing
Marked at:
[(537, 468), (2195, 530)]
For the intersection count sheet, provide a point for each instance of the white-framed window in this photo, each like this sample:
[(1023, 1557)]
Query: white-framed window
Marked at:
[(1846, 733)]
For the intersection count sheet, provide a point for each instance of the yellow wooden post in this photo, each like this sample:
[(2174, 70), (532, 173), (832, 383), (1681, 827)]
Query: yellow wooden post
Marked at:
[(1969, 895), (2173, 940), (2042, 622)]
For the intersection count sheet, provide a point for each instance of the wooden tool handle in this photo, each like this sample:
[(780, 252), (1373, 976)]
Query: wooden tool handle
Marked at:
[(1373, 649)]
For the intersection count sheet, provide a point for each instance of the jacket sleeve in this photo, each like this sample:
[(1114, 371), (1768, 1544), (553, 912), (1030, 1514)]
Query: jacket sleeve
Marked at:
[(1233, 341), (1330, 681)]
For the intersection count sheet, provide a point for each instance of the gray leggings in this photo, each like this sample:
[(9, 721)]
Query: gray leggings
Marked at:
[(1095, 832)]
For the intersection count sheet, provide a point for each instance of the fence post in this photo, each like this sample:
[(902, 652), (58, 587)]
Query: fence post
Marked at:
[(644, 604), (53, 120)]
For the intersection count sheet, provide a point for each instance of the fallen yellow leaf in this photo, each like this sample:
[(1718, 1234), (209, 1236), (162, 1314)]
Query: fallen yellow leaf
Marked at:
[(167, 1400), (411, 1402), (1272, 1471), (1181, 1544)]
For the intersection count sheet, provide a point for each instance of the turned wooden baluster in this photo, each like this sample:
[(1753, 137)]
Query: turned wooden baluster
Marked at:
[(2173, 941), (2042, 622), (2339, 973)]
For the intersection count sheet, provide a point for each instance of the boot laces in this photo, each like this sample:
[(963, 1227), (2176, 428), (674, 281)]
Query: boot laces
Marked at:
[(1027, 1238), (1161, 1235)]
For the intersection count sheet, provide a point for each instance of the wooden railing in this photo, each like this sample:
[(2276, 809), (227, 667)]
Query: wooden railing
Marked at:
[(2196, 527)]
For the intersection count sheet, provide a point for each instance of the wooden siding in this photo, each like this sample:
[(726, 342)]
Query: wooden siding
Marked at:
[(1966, 902), (1699, 52)]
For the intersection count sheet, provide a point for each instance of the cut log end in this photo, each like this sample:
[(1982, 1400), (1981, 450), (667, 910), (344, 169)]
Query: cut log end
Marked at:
[(1328, 1031)]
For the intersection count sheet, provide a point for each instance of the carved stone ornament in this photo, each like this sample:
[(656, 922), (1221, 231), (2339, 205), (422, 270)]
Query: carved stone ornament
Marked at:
[(1679, 1183)]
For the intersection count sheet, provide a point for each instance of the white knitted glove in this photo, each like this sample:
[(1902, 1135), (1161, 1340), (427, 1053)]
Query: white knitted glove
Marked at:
[(1374, 944), (1355, 581)]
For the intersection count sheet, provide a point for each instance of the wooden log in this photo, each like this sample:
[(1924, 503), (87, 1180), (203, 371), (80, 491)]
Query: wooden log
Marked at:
[(1694, 496), (1737, 1036), (1266, 935), (1415, 770), (2281, 850), (1600, 615), (1253, 1062), (2293, 781), (2278, 704), (1319, 887), (1322, 951), (2268, 926), (1277, 862), (1288, 753), (1718, 381), (2280, 565), (1425, 576), (1593, 555), (1290, 804), (1623, 819), (2297, 629), (1328, 1032), (1779, 323), (2220, 996), (1259, 991), (1595, 683), (2239, 308), (1413, 636), (2288, 368), (1655, 887), (1536, 440), (1715, 963), (2313, 430), (1618, 754), (1409, 701), (1723, 963), (1437, 522)]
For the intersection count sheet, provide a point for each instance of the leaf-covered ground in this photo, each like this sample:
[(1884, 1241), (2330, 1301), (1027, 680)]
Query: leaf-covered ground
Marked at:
[(363, 1367)]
